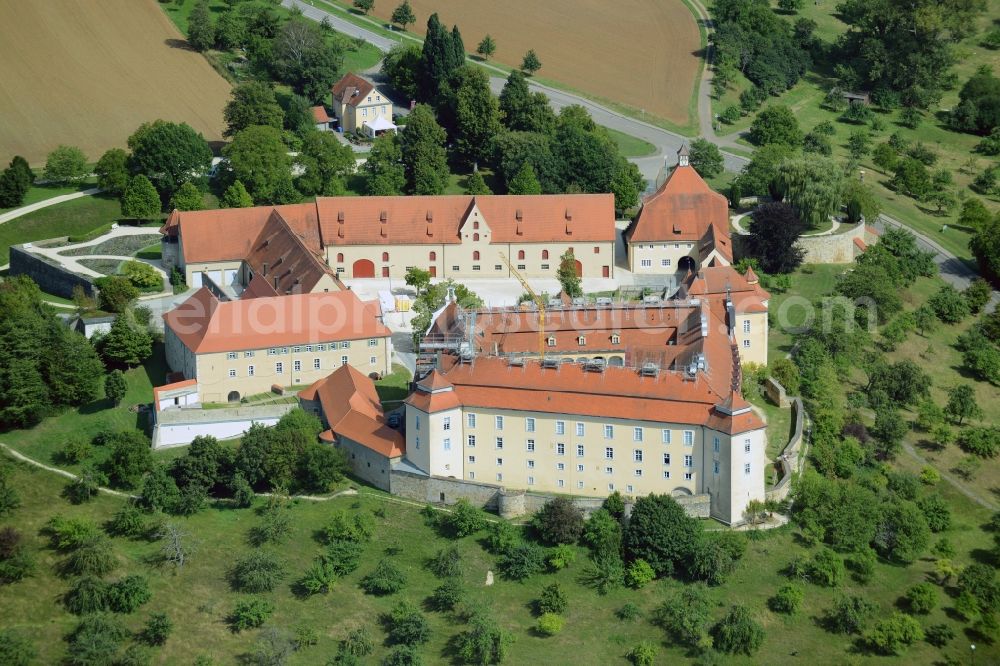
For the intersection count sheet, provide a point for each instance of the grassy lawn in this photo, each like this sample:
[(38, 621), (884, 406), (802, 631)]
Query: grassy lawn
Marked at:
[(42, 192), (151, 252), (70, 218), (790, 310), (631, 146), (395, 386)]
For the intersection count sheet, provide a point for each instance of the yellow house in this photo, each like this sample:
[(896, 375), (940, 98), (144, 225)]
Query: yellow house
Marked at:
[(681, 227), (245, 347), (360, 106)]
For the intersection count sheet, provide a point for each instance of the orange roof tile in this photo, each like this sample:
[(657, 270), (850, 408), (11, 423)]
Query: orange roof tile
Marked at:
[(285, 258), (206, 325), (352, 87), (684, 209), (320, 115), (352, 409), (861, 245), (437, 219), (157, 390)]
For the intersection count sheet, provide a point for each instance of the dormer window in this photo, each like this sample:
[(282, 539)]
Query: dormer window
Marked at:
[(616, 339), (551, 342), (582, 340)]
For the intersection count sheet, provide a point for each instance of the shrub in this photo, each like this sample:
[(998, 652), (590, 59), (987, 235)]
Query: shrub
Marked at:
[(787, 599), (94, 557), (894, 633), (863, 565), (502, 537), (981, 441), (319, 578), (550, 624), (10, 542), (522, 561), (142, 275), (402, 655), (385, 579), (939, 635), (921, 598), (17, 566), (127, 522), (628, 613), (643, 654), (850, 614), (343, 557), (76, 451), (343, 527), (465, 519), (96, 640), (446, 563), (274, 527), (249, 613), (929, 475), (446, 595), (484, 642), (639, 574), (158, 628), (15, 650), (685, 616), (257, 571), (738, 631), (826, 568), (67, 534), (936, 512), (127, 594), (561, 556), (406, 625), (88, 595), (552, 600), (358, 643), (560, 521)]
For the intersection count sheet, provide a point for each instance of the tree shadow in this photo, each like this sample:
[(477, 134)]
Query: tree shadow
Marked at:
[(181, 44)]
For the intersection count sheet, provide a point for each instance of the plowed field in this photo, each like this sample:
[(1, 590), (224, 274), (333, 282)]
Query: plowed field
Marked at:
[(88, 72)]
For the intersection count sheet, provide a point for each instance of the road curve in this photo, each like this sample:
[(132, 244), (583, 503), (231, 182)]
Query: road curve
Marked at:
[(667, 143)]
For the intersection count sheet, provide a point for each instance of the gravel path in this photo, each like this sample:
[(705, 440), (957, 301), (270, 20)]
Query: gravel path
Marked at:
[(24, 210)]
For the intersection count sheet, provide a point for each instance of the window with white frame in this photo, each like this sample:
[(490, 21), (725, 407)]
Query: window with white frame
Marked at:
[(499, 461), (472, 459), (499, 423), (636, 434), (529, 424), (296, 350), (666, 474), (579, 429), (561, 467), (232, 356), (296, 366), (579, 484), (316, 364), (609, 431), (279, 367), (665, 436), (609, 453), (746, 445), (579, 468), (343, 360), (715, 466), (715, 444), (561, 483), (628, 489), (646, 263), (688, 476), (529, 445), (560, 427), (638, 472), (472, 475), (446, 423), (637, 455), (689, 461), (611, 487), (531, 480), (470, 420), (560, 449), (579, 450), (531, 464), (372, 360), (746, 469), (746, 325), (232, 372), (250, 370), (446, 442), (471, 441), (666, 458), (248, 354), (346, 344), (499, 442), (746, 343), (616, 339), (373, 342), (688, 437), (499, 476), (609, 470)]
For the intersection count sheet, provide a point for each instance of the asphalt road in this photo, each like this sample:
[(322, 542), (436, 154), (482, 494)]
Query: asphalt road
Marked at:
[(666, 142)]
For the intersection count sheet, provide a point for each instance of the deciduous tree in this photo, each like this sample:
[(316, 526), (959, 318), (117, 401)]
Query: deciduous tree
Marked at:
[(112, 171), (487, 47), (252, 103), (65, 164)]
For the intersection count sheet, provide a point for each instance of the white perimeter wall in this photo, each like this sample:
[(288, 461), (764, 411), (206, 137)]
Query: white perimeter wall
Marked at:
[(165, 436)]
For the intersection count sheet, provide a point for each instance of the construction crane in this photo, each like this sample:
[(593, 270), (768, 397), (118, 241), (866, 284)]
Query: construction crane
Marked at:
[(539, 303)]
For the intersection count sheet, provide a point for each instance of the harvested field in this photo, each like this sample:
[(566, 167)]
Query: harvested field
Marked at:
[(87, 73), (643, 53)]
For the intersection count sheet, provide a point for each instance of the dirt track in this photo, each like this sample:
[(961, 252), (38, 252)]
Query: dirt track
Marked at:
[(88, 72), (639, 52)]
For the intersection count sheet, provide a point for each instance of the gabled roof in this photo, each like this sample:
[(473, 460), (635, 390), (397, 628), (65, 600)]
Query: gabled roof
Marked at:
[(414, 220), (285, 258), (183, 387), (351, 89), (684, 209), (320, 115), (715, 282), (352, 409), (206, 325)]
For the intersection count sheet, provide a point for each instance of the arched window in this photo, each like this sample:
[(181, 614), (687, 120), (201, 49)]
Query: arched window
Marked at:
[(475, 237), (475, 255), (545, 254), (520, 255), (433, 256), (340, 257), (385, 256)]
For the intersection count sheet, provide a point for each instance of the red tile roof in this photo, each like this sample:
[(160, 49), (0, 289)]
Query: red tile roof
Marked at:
[(437, 219), (206, 325), (320, 115), (860, 244), (157, 390), (286, 258), (352, 409), (714, 282), (684, 209), (490, 382), (351, 89)]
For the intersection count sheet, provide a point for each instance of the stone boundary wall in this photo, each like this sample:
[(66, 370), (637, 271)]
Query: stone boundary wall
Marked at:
[(789, 458), (836, 248), (776, 392), (507, 503), (51, 277)]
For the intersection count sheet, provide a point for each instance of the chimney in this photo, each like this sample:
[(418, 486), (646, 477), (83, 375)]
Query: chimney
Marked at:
[(264, 273), (276, 283)]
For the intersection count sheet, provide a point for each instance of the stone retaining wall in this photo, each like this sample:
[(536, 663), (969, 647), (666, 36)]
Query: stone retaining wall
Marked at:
[(838, 248), (507, 503), (178, 426), (789, 458), (49, 276)]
